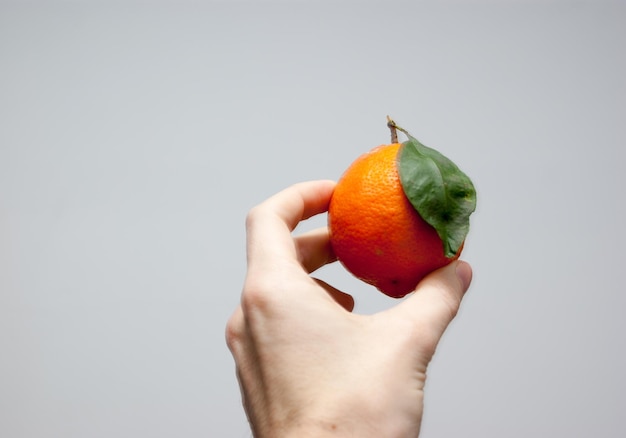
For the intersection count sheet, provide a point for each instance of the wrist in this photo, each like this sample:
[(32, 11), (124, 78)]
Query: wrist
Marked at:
[(347, 424), (333, 430)]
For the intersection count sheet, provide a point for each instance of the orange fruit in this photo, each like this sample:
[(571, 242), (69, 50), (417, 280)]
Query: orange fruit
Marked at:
[(375, 232), (399, 212)]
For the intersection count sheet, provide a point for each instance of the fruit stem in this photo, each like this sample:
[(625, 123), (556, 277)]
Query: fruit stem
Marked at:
[(391, 124), (394, 130)]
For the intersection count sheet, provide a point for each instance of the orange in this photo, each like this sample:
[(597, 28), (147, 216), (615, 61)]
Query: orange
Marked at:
[(375, 232)]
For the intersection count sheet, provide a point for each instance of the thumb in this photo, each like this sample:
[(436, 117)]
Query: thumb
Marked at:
[(435, 303)]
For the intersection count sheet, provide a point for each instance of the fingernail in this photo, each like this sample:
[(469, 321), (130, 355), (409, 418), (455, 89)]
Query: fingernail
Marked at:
[(464, 273)]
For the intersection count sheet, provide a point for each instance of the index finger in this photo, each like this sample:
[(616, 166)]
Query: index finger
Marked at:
[(269, 224)]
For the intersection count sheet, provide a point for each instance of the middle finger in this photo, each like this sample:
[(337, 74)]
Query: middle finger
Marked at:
[(313, 249)]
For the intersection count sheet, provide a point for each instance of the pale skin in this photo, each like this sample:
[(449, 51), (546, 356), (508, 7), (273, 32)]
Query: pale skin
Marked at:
[(306, 365)]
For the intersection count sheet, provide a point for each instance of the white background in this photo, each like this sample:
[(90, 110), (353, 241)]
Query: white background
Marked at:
[(134, 137)]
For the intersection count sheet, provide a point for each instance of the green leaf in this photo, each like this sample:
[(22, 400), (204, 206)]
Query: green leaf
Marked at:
[(440, 192)]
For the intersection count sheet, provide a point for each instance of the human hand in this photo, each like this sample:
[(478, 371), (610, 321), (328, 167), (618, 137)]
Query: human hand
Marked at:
[(306, 365)]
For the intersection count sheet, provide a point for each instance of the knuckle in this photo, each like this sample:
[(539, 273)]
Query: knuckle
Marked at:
[(253, 214), (448, 300), (451, 304), (234, 331), (257, 296)]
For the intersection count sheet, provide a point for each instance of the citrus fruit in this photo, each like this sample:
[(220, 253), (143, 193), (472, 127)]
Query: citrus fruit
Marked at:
[(399, 212)]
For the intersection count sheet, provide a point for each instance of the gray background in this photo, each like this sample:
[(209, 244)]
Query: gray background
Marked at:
[(134, 137)]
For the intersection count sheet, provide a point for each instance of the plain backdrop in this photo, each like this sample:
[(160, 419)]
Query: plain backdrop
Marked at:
[(135, 136)]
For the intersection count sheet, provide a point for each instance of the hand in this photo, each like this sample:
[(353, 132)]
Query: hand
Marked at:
[(307, 366)]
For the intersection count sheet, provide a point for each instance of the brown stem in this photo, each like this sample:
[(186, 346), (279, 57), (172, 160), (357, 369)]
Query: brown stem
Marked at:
[(394, 130)]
